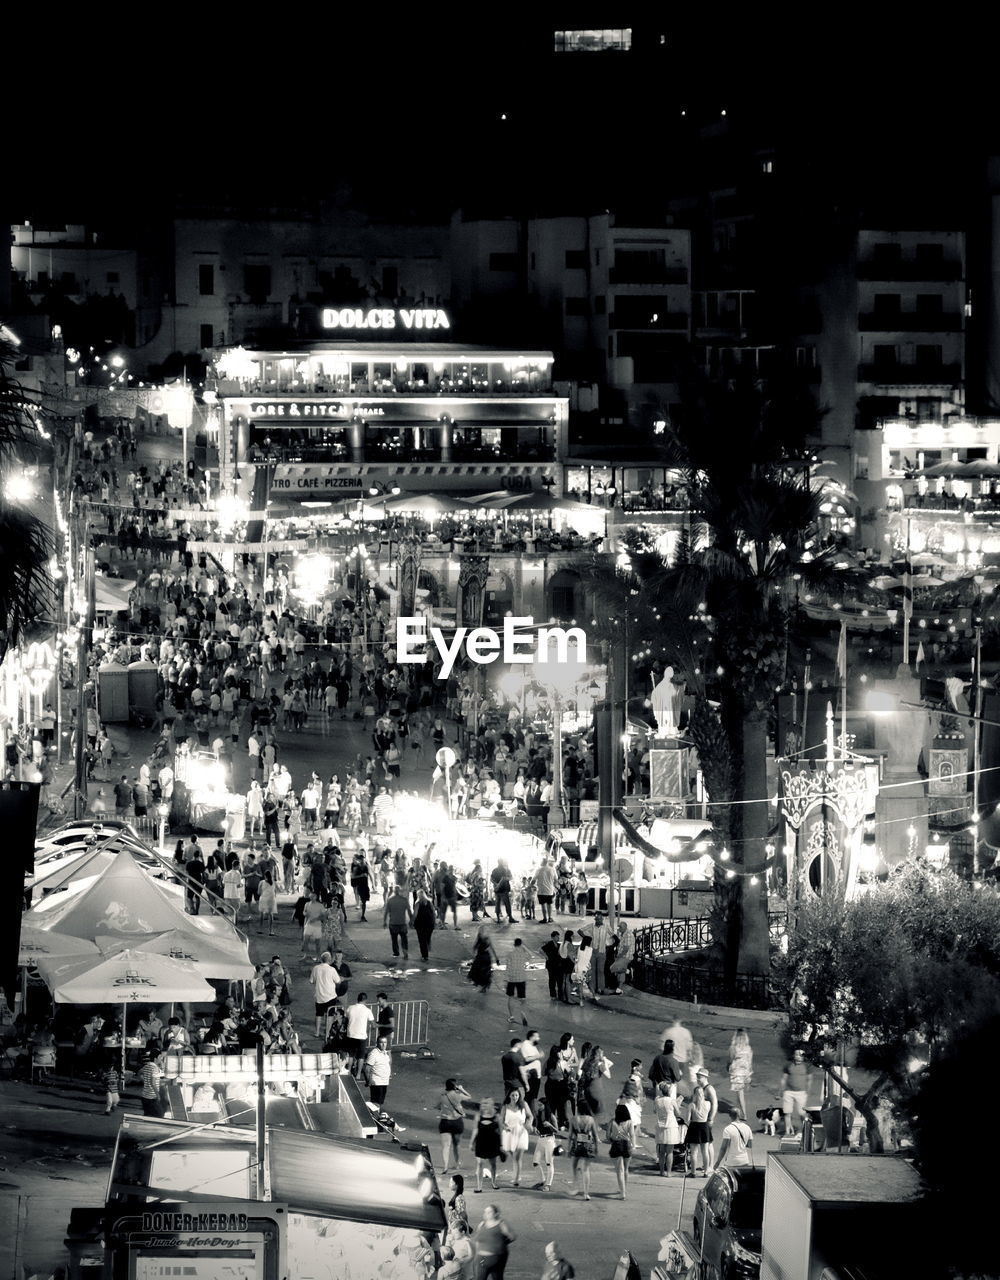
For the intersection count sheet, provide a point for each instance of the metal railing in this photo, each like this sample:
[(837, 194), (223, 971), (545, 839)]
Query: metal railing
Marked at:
[(654, 971)]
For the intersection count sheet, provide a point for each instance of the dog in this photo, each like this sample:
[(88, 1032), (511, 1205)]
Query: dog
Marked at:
[(769, 1117)]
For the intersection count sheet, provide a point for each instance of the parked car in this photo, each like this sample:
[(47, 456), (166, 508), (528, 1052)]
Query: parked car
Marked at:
[(728, 1223)]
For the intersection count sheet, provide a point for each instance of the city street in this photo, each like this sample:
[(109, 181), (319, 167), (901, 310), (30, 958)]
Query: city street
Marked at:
[(59, 1133)]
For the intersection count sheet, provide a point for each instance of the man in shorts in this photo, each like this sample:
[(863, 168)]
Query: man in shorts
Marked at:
[(517, 978), (794, 1091), (359, 1019), (545, 886), (324, 979)]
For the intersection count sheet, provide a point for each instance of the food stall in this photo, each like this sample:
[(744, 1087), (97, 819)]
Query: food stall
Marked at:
[(302, 1090), (334, 1208), (212, 806)]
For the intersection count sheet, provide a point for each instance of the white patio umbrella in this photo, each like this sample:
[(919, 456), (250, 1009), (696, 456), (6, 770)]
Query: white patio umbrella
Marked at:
[(132, 976)]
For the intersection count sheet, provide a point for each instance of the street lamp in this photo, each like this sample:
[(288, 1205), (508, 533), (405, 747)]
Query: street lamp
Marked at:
[(163, 811)]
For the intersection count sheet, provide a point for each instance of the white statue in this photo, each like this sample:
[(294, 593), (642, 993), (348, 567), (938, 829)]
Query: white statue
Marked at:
[(664, 701)]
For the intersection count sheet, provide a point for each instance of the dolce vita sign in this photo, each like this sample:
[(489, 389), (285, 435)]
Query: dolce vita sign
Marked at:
[(385, 318)]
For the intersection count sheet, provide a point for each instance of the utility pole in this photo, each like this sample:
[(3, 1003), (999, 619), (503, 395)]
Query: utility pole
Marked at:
[(609, 721)]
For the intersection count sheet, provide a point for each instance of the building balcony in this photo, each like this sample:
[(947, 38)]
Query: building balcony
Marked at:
[(389, 452), (980, 507), (910, 322), (909, 271), (649, 273), (922, 375)]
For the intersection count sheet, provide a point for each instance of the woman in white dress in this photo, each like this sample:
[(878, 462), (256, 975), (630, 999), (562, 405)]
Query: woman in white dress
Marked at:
[(515, 1124), (255, 808), (668, 1130)]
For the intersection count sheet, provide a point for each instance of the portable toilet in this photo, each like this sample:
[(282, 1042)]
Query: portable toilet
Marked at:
[(112, 693), (142, 686)]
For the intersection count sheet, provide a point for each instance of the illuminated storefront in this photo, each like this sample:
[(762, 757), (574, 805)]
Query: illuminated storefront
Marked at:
[(489, 418)]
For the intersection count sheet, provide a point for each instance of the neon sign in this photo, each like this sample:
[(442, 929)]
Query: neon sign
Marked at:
[(385, 318)]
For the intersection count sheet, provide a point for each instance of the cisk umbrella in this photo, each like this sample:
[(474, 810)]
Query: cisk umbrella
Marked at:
[(207, 957), (133, 976)]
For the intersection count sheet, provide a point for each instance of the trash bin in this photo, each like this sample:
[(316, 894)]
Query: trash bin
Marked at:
[(813, 1134)]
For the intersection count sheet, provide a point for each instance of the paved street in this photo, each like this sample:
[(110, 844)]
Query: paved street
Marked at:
[(60, 1133)]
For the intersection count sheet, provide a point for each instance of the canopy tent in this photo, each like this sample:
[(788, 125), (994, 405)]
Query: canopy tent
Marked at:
[(205, 956), (924, 559), (37, 945), (426, 503), (86, 864), (976, 469), (111, 594), (124, 901), (533, 500)]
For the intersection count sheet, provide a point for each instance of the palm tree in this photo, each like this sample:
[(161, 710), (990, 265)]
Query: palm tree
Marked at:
[(721, 613), (24, 538)]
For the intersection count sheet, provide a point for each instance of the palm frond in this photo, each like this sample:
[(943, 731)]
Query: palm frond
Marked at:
[(25, 587)]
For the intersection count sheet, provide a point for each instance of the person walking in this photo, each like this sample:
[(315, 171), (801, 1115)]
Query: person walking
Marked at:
[(483, 959), (545, 886), (500, 880), (582, 1148), (151, 1077), (360, 883), (396, 916), (515, 1125), (556, 1266), (623, 956), (424, 923), (567, 963), (517, 978), (553, 964), (794, 1090), (378, 1071), (621, 1135), (736, 1148), (598, 954), (740, 1067), (580, 977), (267, 903), (359, 1019), (485, 1144), (314, 917), (701, 1078), (699, 1135), (451, 1123), (544, 1154), (476, 882), (324, 979), (668, 1133), (493, 1239)]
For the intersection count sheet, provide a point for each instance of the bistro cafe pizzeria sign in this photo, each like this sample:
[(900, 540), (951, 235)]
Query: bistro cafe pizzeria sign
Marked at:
[(385, 318)]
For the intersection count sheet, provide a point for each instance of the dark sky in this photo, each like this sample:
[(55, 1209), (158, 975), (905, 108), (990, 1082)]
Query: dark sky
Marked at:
[(275, 103)]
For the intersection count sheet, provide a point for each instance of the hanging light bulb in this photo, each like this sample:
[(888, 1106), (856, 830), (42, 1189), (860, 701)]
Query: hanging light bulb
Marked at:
[(724, 856), (730, 874), (754, 880)]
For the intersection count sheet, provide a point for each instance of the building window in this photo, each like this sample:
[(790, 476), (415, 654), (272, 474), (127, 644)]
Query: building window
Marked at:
[(576, 259), (618, 39), (112, 277), (207, 336), (257, 281), (930, 306), (928, 355), (390, 281), (887, 305), (206, 279), (886, 252), (929, 252), (577, 307), (600, 305), (503, 261), (884, 355)]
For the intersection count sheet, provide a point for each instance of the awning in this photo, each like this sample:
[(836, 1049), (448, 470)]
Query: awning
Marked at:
[(111, 594), (354, 1180)]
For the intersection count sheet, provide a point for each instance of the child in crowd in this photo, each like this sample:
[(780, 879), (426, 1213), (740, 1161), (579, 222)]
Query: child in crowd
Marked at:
[(112, 1089), (526, 901)]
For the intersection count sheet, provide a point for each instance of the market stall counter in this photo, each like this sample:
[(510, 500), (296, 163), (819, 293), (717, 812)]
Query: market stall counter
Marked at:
[(302, 1090)]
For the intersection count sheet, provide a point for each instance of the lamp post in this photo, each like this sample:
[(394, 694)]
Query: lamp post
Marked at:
[(163, 812)]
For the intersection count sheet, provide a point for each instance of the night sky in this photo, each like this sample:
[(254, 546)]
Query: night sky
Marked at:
[(106, 114)]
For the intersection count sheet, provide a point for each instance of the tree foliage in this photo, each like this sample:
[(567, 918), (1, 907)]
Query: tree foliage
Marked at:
[(899, 973), (24, 538), (720, 612)]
